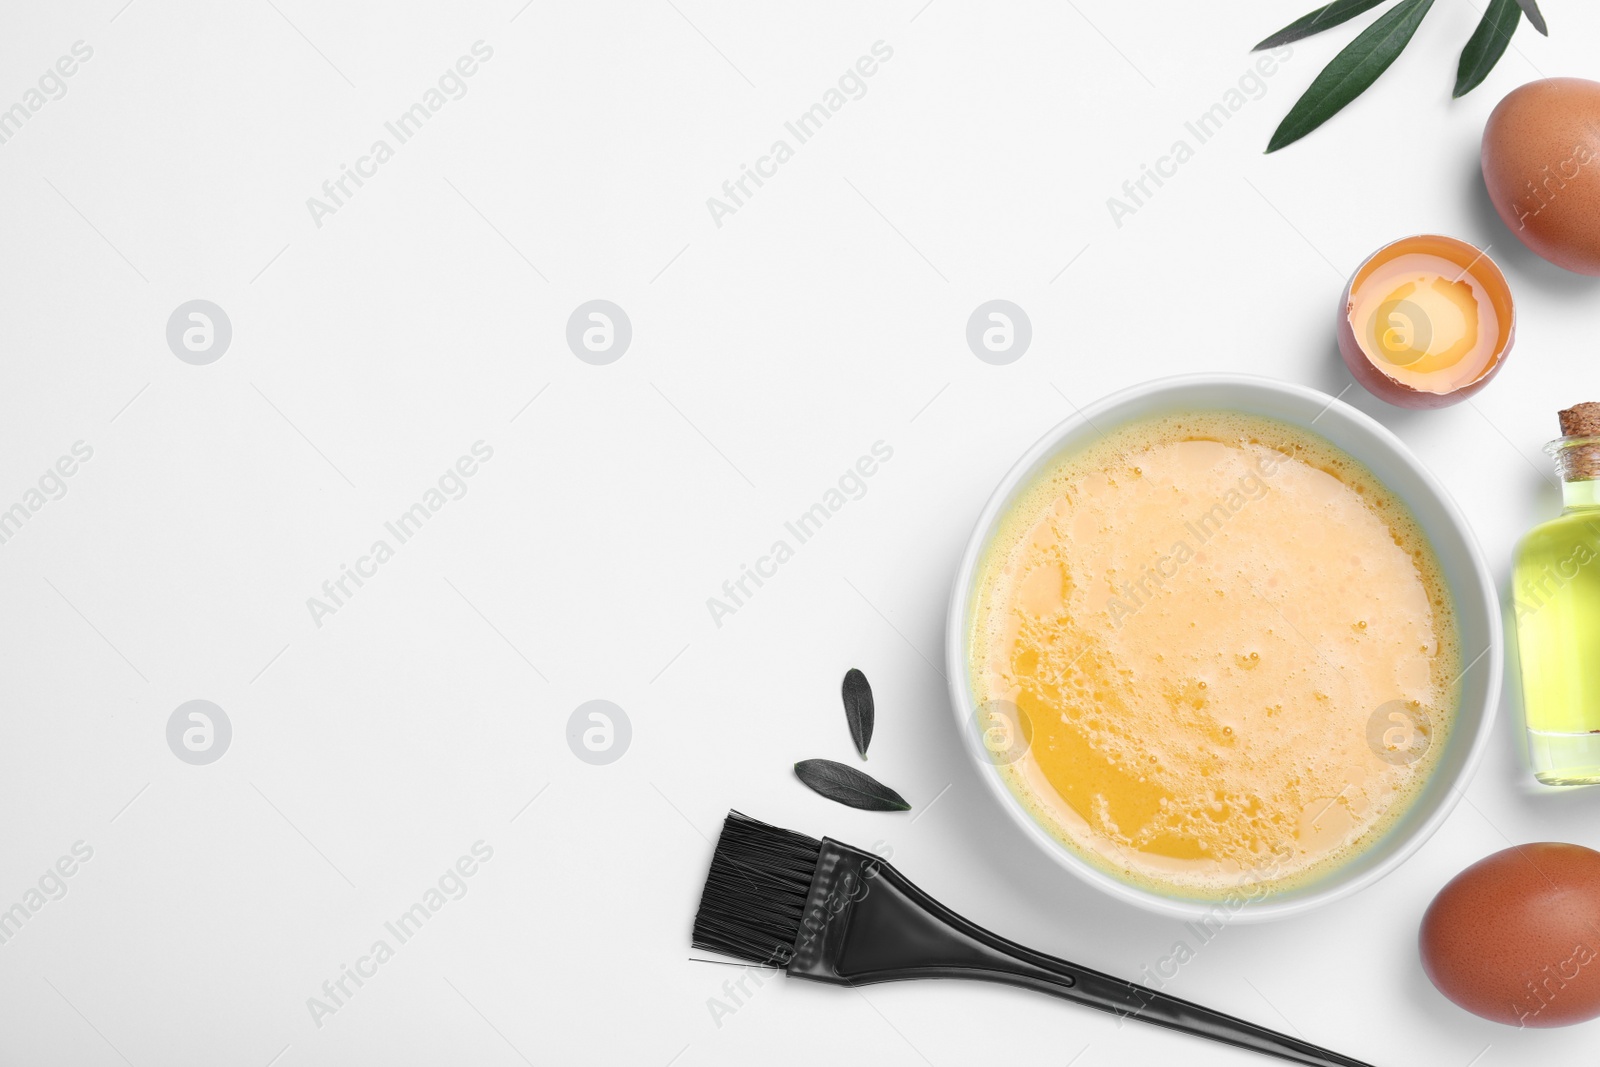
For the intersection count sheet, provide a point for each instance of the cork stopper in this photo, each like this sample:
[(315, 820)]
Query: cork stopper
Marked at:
[(1580, 420), (1581, 462)]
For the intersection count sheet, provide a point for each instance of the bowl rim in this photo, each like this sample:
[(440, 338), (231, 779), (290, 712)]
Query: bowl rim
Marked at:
[(1337, 888)]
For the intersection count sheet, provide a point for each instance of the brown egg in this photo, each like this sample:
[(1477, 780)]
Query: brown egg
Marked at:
[(1541, 163), (1515, 937), (1426, 321)]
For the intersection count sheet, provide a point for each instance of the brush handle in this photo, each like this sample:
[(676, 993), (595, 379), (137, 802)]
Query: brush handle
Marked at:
[(895, 931)]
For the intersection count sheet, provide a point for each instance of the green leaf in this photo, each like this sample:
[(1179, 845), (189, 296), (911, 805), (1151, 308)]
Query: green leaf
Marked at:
[(1351, 72), (1530, 8), (848, 786), (1487, 45), (858, 708), (1322, 18)]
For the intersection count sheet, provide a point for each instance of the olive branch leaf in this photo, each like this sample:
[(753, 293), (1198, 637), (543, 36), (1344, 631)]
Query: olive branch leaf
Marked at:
[(1361, 62)]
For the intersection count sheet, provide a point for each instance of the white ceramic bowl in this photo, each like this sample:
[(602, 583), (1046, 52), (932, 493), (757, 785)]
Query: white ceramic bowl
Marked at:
[(1473, 590)]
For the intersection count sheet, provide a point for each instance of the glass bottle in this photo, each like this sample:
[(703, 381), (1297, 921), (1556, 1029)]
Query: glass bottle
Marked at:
[(1555, 585)]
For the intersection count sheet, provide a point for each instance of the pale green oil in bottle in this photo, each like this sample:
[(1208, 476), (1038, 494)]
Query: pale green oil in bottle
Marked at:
[(1556, 598)]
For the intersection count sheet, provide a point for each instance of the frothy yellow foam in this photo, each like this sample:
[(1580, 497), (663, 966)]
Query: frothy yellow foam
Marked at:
[(1230, 642)]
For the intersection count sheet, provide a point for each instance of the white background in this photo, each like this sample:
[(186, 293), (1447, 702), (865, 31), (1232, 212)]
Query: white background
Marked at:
[(768, 354)]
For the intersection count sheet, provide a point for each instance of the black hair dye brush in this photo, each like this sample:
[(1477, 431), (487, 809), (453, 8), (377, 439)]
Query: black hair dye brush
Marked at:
[(826, 911)]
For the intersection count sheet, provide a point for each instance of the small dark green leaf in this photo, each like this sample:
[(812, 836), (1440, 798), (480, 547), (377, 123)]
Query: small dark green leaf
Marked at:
[(1530, 8), (1487, 44), (1351, 72), (848, 786), (1323, 18), (858, 708)]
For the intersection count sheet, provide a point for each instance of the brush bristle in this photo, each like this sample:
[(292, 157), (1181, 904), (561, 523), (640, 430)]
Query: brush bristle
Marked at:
[(756, 891)]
